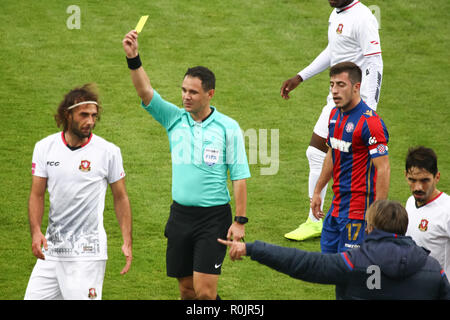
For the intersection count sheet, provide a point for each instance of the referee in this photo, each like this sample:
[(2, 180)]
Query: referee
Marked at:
[(205, 145)]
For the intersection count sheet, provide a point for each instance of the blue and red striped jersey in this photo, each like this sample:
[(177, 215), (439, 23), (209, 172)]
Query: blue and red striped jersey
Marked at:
[(356, 137)]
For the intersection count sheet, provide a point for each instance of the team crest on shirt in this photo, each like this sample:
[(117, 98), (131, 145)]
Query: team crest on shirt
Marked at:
[(92, 293), (349, 127), (85, 166), (423, 225), (339, 28)]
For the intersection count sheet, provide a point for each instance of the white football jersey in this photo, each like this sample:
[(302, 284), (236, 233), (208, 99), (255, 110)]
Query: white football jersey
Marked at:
[(429, 226), (353, 36), (76, 182)]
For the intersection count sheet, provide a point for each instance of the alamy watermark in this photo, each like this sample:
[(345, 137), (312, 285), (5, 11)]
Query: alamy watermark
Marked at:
[(257, 140), (377, 13), (258, 149), (213, 150), (374, 280), (74, 20)]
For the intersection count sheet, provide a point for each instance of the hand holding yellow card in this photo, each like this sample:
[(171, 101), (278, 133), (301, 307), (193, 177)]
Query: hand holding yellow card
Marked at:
[(141, 23)]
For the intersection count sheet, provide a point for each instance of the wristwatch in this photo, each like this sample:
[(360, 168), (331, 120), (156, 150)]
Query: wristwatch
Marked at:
[(241, 219)]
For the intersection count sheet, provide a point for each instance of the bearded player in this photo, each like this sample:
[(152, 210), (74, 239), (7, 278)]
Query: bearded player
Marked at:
[(357, 160), (75, 166)]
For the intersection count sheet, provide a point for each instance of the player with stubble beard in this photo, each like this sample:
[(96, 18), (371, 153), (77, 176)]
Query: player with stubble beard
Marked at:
[(352, 36)]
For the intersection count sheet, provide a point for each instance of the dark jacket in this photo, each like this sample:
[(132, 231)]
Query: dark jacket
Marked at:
[(386, 266)]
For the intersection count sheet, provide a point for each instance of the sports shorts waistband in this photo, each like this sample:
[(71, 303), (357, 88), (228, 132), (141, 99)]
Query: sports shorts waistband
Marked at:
[(194, 209)]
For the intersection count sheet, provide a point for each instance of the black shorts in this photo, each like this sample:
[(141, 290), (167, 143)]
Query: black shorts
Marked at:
[(192, 234)]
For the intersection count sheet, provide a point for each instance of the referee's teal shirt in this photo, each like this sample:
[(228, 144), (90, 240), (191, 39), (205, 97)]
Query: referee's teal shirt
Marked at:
[(202, 153)]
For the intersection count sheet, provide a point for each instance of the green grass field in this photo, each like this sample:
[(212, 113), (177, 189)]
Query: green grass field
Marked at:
[(252, 46)]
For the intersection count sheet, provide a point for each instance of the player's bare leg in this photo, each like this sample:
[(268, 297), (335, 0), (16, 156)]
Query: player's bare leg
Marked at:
[(186, 286), (205, 285), (201, 286), (316, 154)]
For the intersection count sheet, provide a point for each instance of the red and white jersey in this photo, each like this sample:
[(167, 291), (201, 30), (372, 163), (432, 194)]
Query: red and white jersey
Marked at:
[(76, 182), (429, 226), (353, 34)]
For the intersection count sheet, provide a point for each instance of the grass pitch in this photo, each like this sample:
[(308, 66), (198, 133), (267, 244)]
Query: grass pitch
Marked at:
[(252, 46)]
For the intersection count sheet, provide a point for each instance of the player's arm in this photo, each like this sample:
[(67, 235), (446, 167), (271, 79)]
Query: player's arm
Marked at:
[(308, 266), (36, 205), (373, 80), (325, 176), (320, 63), (139, 77), (123, 214), (369, 41), (383, 176), (237, 230), (376, 137)]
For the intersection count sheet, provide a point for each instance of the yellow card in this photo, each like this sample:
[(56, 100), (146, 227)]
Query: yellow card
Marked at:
[(141, 23)]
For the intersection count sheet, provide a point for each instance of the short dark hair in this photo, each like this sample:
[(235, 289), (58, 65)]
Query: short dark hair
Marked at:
[(205, 75), (387, 215), (423, 158), (354, 72), (87, 92)]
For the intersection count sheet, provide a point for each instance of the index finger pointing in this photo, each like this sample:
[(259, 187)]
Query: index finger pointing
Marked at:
[(224, 242)]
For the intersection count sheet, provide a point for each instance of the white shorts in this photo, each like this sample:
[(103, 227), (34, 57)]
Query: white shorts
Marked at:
[(321, 127), (66, 280)]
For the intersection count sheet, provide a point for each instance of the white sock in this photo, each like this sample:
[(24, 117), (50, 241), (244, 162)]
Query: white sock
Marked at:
[(315, 158)]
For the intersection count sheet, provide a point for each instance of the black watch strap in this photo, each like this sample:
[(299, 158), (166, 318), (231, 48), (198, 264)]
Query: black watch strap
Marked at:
[(240, 219)]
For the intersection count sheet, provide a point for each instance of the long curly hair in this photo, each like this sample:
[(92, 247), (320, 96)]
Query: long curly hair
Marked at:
[(87, 92)]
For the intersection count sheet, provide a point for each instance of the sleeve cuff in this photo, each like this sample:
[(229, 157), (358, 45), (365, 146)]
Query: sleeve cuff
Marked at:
[(248, 248)]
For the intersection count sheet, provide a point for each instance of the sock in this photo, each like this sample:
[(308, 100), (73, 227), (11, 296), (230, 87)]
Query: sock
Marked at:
[(315, 159)]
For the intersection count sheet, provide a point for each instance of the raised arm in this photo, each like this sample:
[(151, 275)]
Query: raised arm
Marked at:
[(139, 77)]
